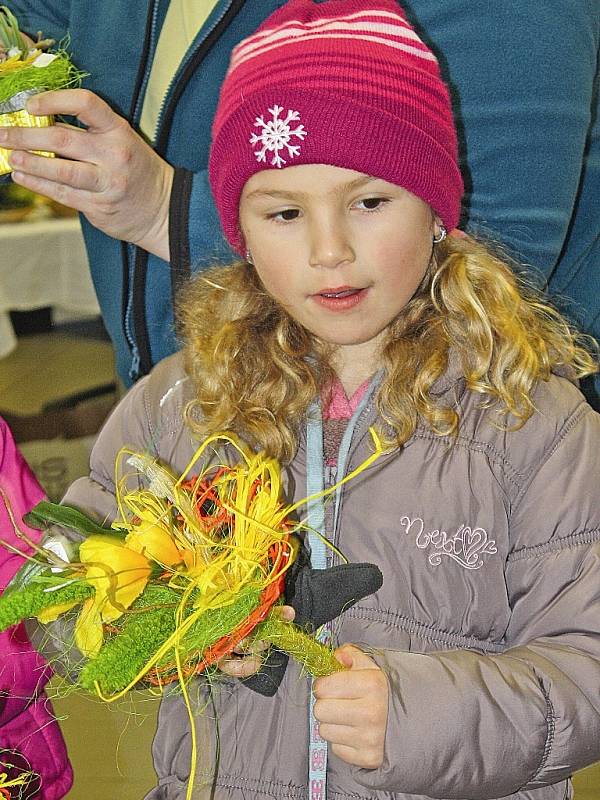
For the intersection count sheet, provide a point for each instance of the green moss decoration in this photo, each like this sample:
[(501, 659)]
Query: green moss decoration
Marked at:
[(145, 628), (317, 659), (19, 605), (124, 654)]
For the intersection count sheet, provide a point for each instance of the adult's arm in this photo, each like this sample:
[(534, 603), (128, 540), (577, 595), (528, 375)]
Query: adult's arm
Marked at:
[(464, 724)]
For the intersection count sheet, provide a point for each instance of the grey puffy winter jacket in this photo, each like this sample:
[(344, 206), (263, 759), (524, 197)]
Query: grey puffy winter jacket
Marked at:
[(487, 624)]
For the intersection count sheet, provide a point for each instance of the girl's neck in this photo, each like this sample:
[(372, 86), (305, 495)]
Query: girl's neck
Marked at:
[(354, 364)]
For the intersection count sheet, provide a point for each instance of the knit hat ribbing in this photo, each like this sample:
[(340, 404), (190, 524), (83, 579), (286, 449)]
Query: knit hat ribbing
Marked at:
[(346, 83)]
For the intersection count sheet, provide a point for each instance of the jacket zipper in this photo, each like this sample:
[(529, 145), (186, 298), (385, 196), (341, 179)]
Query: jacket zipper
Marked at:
[(135, 260), (181, 69), (140, 267), (128, 250)]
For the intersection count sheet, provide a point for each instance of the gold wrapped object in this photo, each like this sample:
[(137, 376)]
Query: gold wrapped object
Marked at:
[(21, 119)]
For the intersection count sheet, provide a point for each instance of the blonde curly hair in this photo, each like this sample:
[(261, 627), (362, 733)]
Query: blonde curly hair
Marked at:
[(256, 370)]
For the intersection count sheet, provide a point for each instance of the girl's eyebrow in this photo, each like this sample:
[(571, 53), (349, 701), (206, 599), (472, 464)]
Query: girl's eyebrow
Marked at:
[(337, 190)]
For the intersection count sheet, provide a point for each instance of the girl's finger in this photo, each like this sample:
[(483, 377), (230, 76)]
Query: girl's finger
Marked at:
[(286, 613), (240, 667), (338, 712), (340, 734), (355, 756)]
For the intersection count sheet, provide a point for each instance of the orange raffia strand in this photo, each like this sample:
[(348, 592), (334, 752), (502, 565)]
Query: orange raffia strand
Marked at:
[(279, 557), (268, 598)]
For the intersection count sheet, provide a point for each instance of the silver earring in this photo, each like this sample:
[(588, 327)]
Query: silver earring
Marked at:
[(249, 257), (441, 235)]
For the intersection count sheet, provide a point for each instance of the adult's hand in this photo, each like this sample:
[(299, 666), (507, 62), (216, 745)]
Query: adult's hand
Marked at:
[(107, 171)]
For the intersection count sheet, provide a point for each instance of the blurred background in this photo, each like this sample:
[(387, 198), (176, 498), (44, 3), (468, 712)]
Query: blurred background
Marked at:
[(57, 385)]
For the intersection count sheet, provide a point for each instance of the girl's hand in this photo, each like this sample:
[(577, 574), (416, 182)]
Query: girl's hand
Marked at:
[(247, 658), (352, 709)]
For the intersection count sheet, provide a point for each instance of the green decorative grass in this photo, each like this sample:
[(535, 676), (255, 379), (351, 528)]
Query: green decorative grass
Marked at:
[(28, 601), (60, 74)]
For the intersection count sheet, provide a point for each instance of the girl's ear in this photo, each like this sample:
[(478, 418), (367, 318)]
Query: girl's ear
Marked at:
[(439, 230)]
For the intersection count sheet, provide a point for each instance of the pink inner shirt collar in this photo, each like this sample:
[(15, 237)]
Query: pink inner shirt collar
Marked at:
[(340, 406)]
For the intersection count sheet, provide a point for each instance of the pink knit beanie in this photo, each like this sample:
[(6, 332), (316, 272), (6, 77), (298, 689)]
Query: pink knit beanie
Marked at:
[(343, 82)]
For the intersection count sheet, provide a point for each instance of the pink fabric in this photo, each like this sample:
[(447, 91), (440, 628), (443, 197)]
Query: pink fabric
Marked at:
[(346, 83), (335, 418), (340, 406), (27, 723)]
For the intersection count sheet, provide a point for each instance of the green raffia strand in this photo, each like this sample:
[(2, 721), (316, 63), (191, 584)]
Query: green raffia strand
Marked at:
[(30, 600), (317, 659), (60, 74), (125, 654)]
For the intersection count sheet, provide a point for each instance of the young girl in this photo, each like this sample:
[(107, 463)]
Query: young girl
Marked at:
[(475, 671), (30, 739)]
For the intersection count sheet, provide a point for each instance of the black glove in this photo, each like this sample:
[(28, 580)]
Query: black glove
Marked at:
[(317, 596)]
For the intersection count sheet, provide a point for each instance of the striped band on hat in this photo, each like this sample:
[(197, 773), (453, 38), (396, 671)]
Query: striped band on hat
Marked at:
[(344, 82)]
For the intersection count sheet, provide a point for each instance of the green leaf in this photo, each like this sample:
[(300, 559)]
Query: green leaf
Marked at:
[(46, 513)]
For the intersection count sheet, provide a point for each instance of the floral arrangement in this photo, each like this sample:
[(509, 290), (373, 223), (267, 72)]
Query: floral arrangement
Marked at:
[(27, 69), (191, 567)]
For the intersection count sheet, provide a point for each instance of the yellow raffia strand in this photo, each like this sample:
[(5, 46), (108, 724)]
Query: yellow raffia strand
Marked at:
[(21, 780), (17, 62), (21, 119)]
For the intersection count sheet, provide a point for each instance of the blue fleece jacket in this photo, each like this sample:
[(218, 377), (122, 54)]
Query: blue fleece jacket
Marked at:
[(525, 91)]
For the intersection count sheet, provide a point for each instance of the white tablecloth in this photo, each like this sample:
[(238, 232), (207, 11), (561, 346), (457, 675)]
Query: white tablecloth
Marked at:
[(43, 263)]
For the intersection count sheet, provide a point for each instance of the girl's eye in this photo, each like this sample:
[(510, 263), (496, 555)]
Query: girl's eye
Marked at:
[(287, 215), (371, 203)]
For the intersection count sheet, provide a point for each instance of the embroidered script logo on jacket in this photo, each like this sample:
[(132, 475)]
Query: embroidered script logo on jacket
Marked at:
[(467, 547)]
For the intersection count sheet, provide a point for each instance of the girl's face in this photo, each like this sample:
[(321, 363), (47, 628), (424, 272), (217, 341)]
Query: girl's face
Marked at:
[(341, 251)]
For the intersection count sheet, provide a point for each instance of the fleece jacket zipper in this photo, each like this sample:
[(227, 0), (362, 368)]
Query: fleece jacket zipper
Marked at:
[(135, 279)]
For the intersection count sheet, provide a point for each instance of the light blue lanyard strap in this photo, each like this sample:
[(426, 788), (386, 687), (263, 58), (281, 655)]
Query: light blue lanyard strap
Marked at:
[(317, 746), (315, 485), (317, 753)]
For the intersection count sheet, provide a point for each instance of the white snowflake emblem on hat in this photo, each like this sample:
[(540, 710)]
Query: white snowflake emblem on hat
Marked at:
[(276, 135)]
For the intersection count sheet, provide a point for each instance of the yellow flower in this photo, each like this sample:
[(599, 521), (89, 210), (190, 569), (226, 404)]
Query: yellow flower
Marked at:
[(152, 538), (118, 575), (52, 613)]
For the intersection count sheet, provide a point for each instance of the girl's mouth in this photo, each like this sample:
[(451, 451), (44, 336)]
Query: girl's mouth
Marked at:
[(341, 298)]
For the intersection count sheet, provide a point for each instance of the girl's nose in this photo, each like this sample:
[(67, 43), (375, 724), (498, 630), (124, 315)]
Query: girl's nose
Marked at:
[(330, 245)]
